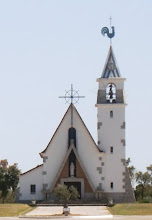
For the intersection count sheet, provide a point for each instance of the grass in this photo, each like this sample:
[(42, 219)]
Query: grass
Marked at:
[(13, 210), (131, 209)]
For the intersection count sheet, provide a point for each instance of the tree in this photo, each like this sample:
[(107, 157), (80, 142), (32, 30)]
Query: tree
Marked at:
[(65, 193), (8, 178), (149, 170), (143, 179), (131, 170)]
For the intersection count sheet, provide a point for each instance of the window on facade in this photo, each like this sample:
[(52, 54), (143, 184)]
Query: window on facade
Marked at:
[(111, 184), (33, 189), (111, 114), (111, 149)]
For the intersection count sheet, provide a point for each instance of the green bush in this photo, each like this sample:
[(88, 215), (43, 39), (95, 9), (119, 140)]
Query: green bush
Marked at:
[(62, 192), (147, 199)]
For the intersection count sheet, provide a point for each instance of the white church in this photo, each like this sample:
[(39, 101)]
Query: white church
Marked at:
[(72, 157)]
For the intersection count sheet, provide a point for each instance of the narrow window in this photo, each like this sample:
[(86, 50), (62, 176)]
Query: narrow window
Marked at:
[(111, 114), (111, 150), (111, 184), (33, 189)]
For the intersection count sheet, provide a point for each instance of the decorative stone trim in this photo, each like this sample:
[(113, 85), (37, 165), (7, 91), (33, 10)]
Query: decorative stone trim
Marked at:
[(123, 126), (124, 164), (99, 125), (99, 170), (123, 142), (102, 163), (123, 180), (99, 187), (45, 158), (45, 185), (44, 172), (100, 158), (127, 184)]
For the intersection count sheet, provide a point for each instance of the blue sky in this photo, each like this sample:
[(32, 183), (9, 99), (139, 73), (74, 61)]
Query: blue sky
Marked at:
[(47, 45)]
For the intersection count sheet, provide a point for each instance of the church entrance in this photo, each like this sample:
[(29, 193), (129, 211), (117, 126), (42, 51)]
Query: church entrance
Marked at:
[(77, 185)]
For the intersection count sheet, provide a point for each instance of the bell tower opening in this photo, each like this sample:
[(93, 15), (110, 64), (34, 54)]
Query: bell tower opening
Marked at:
[(111, 93)]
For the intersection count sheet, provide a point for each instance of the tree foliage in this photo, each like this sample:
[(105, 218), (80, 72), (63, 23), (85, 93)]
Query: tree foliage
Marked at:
[(64, 193), (143, 180), (8, 178), (131, 170)]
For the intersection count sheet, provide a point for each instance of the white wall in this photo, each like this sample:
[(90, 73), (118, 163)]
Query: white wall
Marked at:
[(56, 152), (87, 150), (110, 134), (33, 177)]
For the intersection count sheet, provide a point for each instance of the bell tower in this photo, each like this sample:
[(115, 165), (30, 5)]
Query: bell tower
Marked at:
[(111, 106), (111, 131)]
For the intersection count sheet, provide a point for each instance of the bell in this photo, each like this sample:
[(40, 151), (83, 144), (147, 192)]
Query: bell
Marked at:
[(111, 94)]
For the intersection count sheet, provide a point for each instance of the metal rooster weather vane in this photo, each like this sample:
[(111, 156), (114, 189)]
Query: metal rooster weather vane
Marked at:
[(105, 30)]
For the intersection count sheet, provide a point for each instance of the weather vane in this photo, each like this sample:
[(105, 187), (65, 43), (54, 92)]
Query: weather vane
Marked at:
[(105, 30), (71, 96)]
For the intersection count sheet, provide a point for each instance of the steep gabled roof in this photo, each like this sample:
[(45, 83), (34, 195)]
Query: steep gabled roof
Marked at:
[(60, 125), (110, 68), (72, 147), (55, 132)]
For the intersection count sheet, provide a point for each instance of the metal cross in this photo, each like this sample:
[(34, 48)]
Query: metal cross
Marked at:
[(72, 97), (110, 30), (110, 20)]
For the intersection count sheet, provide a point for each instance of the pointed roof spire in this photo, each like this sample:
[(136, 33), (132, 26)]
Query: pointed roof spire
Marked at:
[(110, 69)]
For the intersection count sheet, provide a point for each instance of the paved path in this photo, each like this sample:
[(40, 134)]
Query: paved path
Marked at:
[(74, 210), (75, 218)]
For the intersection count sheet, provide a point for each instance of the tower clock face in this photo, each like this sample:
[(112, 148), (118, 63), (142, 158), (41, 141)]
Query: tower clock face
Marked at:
[(111, 66)]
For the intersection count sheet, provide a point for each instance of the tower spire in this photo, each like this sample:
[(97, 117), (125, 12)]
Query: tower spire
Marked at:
[(110, 68)]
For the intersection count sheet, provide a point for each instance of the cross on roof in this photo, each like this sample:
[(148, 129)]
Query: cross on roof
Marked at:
[(110, 20), (71, 96)]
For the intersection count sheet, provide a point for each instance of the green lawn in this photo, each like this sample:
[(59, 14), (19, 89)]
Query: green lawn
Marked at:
[(131, 209), (12, 210)]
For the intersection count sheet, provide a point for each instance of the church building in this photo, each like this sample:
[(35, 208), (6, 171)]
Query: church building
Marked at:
[(72, 157)]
